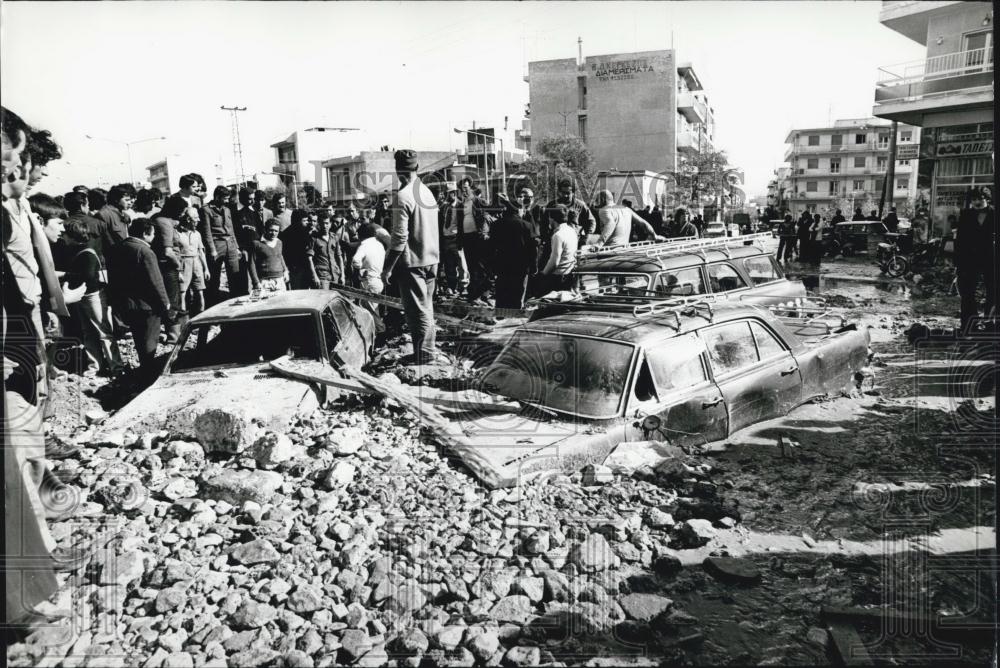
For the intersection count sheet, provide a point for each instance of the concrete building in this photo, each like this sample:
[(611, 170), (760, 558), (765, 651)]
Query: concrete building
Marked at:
[(165, 174), (296, 154), (355, 177), (844, 166), (949, 94), (635, 111)]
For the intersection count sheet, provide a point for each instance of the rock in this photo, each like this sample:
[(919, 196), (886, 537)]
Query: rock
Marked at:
[(354, 644), (597, 474), (667, 564), (374, 658), (274, 448), (448, 637), (629, 457), (817, 636), (255, 552), (169, 599), (695, 533), (522, 656), (295, 658), (239, 486), (179, 488), (338, 476), (178, 660), (95, 416), (658, 519), (533, 588), (516, 609), (538, 543), (226, 431), (345, 441), (252, 615), (306, 598), (484, 644), (732, 570), (412, 641), (123, 569), (644, 607), (406, 600), (556, 587), (593, 554), (254, 656)]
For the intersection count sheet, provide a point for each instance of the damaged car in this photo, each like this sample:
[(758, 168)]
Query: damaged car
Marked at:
[(216, 386), (686, 375)]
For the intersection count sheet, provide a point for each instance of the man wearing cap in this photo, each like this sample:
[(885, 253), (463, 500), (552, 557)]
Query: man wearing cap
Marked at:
[(414, 246), (975, 255), (455, 270)]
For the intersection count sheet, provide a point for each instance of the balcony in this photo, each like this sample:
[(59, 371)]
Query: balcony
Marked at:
[(950, 82), (687, 142), (910, 18), (798, 149), (694, 110)]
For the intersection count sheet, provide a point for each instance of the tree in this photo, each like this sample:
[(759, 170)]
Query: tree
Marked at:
[(552, 159), (704, 178)]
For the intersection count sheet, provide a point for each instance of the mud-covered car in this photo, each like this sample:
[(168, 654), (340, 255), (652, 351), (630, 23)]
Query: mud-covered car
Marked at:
[(216, 384), (590, 380), (733, 271)]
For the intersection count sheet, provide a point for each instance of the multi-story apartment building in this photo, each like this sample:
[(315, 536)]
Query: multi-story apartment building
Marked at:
[(294, 155), (635, 111), (845, 165), (949, 94)]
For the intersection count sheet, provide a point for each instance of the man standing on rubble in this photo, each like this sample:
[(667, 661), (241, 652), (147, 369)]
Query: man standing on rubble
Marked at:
[(414, 247)]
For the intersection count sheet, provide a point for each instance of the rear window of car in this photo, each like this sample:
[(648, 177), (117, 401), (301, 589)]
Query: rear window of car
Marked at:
[(248, 341), (723, 278), (680, 282), (594, 281), (762, 269), (731, 347)]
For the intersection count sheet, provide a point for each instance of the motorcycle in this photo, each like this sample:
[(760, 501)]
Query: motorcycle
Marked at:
[(894, 262)]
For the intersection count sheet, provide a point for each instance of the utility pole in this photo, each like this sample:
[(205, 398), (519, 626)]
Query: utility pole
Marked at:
[(237, 147), (890, 173)]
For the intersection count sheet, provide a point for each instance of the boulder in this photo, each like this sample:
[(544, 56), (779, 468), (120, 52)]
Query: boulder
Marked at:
[(239, 486), (274, 448), (338, 476), (522, 656), (255, 552), (644, 607), (305, 598), (593, 554), (345, 441), (516, 609), (732, 570)]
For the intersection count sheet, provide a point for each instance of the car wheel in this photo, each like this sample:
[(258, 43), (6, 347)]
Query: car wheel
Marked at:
[(847, 251), (896, 266)]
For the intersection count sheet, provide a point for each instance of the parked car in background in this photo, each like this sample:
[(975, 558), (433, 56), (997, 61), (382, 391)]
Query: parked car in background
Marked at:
[(851, 237), (735, 270), (589, 380), (715, 229), (219, 368)]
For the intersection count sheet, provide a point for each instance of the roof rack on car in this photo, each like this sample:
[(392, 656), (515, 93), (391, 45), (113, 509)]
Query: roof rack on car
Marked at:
[(591, 250), (719, 243)]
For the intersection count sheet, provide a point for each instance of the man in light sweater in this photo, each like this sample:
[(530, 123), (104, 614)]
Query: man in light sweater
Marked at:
[(415, 247), (562, 258)]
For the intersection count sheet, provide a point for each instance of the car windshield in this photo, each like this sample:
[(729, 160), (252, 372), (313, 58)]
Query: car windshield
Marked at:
[(583, 377), (248, 341)]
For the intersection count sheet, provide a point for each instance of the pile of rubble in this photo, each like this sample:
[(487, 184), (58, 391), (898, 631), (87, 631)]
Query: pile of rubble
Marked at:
[(349, 541)]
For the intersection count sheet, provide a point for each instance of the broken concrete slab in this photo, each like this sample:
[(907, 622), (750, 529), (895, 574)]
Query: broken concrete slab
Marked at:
[(238, 486), (732, 570)]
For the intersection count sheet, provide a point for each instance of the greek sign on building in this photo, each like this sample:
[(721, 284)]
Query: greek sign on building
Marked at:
[(618, 70)]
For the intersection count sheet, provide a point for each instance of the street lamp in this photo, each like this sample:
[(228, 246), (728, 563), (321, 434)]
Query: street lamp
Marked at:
[(128, 148), (486, 162)]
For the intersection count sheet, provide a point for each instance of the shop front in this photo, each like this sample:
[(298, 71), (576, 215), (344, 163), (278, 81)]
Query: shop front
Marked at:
[(953, 159)]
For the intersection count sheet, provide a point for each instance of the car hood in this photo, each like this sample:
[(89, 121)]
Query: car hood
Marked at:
[(242, 396)]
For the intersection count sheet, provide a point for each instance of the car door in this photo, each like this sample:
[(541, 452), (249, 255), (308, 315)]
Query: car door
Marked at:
[(686, 407), (724, 278), (343, 337), (756, 384)]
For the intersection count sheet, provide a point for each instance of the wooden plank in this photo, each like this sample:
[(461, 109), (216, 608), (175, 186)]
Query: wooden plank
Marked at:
[(440, 316), (430, 417)]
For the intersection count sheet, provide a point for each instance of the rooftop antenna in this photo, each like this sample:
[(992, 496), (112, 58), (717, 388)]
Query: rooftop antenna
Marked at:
[(579, 51)]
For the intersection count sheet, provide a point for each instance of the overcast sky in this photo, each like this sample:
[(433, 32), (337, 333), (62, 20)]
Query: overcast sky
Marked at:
[(407, 73)]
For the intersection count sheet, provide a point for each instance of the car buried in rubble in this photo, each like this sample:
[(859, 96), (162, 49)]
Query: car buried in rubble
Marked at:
[(686, 374), (217, 386)]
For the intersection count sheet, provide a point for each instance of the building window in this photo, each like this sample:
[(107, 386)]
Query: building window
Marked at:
[(902, 184), (903, 163), (883, 141), (835, 166), (581, 89), (582, 127), (837, 140), (286, 153), (880, 164), (812, 163), (813, 140), (347, 181), (905, 135), (833, 187), (859, 138), (859, 162), (859, 184), (812, 186)]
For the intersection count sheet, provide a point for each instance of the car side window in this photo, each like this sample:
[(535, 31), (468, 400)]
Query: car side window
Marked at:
[(644, 390), (680, 282), (330, 331), (730, 347), (767, 344), (761, 269), (677, 363), (723, 278)]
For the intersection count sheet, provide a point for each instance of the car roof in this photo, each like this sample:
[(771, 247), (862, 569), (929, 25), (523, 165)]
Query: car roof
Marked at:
[(288, 302), (638, 330), (641, 263)]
